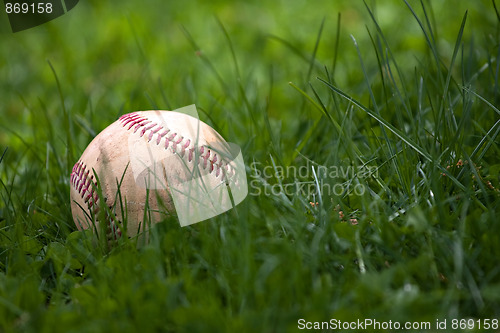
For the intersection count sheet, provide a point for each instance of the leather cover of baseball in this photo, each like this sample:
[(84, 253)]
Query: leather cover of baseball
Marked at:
[(137, 160)]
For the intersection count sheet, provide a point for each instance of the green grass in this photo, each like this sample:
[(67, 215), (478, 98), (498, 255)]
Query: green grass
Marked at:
[(398, 99)]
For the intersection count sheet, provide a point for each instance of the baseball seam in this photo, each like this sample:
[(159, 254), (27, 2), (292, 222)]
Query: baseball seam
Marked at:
[(86, 185), (208, 159), (83, 181)]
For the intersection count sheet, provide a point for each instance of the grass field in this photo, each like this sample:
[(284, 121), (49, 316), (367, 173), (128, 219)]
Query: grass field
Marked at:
[(370, 138)]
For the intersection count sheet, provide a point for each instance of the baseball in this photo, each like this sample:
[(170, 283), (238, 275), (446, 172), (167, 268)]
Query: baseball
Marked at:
[(141, 169)]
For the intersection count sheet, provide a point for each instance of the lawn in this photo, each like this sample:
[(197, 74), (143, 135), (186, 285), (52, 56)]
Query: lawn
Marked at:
[(369, 133)]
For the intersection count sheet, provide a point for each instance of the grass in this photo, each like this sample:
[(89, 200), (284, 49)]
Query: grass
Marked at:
[(371, 144)]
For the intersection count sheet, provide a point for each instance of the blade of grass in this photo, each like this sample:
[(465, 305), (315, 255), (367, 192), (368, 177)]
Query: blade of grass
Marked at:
[(485, 137), (337, 42), (313, 56), (389, 56), (398, 133), (3, 154), (397, 165), (496, 10), (321, 107), (163, 96), (231, 48), (289, 45), (66, 121), (205, 59)]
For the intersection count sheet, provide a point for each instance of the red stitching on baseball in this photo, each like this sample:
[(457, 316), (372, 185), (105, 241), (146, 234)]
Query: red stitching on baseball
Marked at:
[(147, 128), (174, 147), (183, 148), (191, 151), (84, 184), (138, 121), (171, 138), (153, 132), (205, 158), (130, 118), (141, 123), (161, 135)]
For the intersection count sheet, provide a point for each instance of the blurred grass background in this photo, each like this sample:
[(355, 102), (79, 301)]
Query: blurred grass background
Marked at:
[(424, 246)]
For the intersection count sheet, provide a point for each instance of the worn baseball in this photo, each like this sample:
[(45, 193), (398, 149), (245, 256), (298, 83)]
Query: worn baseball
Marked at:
[(133, 167)]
